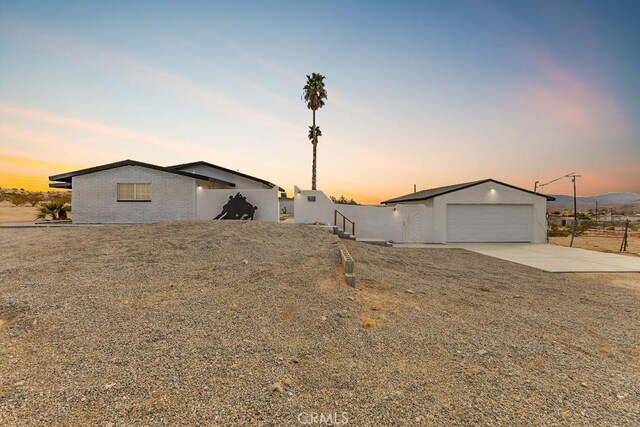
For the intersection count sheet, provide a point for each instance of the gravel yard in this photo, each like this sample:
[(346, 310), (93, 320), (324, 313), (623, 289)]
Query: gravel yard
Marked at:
[(246, 323)]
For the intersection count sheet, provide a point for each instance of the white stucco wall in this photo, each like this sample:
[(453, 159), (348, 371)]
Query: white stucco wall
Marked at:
[(384, 222), (240, 181), (210, 202), (372, 221), (482, 194), (95, 197)]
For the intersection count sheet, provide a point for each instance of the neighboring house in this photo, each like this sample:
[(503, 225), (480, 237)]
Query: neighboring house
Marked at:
[(482, 211), (479, 211), (132, 192)]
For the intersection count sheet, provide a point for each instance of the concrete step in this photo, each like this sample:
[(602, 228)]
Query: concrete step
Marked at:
[(342, 234)]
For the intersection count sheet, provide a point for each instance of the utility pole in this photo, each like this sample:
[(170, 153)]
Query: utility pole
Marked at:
[(573, 177), (575, 210), (596, 212)]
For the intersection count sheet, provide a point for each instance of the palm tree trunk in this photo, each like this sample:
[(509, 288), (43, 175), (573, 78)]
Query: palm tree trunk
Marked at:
[(313, 167), (315, 145)]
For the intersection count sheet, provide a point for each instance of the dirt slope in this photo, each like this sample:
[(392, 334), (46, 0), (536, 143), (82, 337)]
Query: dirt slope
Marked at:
[(167, 324)]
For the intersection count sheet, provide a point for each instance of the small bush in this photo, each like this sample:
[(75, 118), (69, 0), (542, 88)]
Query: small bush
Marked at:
[(34, 198), (343, 200), (18, 199), (60, 196), (582, 228), (555, 231), (55, 210)]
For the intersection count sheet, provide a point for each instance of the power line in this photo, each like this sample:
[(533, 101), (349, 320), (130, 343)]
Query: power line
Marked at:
[(569, 175), (573, 177)]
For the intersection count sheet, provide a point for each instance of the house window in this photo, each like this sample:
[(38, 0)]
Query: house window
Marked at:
[(134, 192)]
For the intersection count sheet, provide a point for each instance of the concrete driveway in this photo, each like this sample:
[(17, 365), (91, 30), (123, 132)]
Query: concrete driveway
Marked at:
[(556, 259)]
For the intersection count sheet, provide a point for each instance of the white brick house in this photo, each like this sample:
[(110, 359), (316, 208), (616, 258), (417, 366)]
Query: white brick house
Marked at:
[(134, 192)]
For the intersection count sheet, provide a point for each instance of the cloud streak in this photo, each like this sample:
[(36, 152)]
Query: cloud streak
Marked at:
[(134, 69), (570, 102), (336, 98), (94, 127)]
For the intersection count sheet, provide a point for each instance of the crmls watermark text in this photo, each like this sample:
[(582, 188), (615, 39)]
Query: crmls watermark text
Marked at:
[(323, 419)]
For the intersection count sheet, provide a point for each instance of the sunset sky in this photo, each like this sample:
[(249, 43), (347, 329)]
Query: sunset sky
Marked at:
[(425, 93)]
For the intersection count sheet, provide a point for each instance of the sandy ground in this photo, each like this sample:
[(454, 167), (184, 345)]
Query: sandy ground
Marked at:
[(601, 243), (236, 323), (11, 213)]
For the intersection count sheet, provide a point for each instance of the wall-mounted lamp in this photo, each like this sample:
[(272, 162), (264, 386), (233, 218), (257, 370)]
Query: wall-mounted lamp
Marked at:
[(493, 190)]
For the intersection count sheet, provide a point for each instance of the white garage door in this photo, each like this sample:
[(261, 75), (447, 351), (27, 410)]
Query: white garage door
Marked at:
[(489, 223)]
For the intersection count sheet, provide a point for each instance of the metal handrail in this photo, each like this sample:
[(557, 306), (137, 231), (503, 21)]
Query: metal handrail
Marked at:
[(344, 221)]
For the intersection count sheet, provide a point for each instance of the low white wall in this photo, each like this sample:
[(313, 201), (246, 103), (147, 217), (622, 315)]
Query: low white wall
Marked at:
[(383, 222), (209, 203)]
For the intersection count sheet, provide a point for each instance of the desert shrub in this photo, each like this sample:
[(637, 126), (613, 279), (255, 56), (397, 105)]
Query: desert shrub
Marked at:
[(55, 210), (60, 196), (343, 200), (555, 231), (34, 198), (18, 199), (582, 228)]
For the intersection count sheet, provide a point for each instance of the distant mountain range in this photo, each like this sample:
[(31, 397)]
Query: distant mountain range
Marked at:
[(602, 199)]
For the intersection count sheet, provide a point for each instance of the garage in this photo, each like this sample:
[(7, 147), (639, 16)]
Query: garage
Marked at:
[(480, 211), (489, 223)]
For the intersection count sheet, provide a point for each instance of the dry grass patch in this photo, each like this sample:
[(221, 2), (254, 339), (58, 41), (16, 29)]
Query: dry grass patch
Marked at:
[(368, 322)]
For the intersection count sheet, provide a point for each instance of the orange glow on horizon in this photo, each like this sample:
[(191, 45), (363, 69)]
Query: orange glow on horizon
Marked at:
[(30, 174)]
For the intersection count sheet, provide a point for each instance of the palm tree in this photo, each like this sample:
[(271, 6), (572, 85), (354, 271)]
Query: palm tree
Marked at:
[(314, 133), (314, 93)]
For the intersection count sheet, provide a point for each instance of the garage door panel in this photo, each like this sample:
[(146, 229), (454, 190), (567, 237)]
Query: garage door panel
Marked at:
[(489, 223)]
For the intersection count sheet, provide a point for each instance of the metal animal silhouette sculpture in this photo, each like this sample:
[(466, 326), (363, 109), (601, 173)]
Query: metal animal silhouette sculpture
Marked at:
[(237, 208)]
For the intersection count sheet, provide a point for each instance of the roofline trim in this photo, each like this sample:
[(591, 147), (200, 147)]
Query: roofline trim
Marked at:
[(471, 184), (244, 175), (66, 177), (59, 185)]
